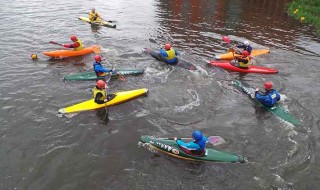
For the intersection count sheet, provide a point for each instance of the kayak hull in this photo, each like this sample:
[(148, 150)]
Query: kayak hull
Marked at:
[(70, 53), (100, 23), (277, 110), (171, 148), (92, 75), (181, 63), (252, 69), (119, 98), (230, 55)]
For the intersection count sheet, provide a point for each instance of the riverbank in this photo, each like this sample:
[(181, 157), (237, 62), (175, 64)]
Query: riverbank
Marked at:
[(306, 11)]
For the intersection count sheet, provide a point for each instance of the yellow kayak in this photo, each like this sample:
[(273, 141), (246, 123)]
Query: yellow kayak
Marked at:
[(254, 52), (119, 98), (101, 23)]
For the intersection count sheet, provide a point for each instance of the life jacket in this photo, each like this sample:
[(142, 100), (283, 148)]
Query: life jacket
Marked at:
[(99, 74), (80, 45), (93, 15), (202, 144), (171, 54), (273, 97), (243, 64), (96, 90)]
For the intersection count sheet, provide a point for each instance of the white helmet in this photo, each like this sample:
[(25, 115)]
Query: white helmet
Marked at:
[(246, 43)]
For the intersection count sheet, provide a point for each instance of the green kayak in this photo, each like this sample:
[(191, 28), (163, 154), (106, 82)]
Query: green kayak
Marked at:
[(277, 110), (170, 147), (92, 75)]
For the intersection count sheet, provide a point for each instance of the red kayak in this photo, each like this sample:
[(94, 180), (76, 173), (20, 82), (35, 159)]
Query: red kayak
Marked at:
[(252, 69)]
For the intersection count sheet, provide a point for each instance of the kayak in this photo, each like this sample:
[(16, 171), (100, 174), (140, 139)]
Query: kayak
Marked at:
[(101, 23), (171, 148), (254, 52), (71, 53), (252, 69), (92, 75), (277, 110), (118, 98), (181, 63)]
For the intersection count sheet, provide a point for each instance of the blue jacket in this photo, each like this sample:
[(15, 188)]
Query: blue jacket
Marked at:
[(99, 70), (164, 55), (269, 99), (246, 48), (194, 145)]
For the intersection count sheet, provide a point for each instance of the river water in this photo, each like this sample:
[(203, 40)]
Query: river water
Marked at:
[(40, 149)]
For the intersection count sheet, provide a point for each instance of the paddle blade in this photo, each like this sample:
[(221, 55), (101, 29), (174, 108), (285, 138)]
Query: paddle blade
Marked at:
[(121, 77), (226, 39), (96, 49), (216, 140)]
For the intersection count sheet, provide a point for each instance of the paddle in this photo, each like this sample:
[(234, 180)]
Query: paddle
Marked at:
[(56, 43), (228, 41), (214, 140)]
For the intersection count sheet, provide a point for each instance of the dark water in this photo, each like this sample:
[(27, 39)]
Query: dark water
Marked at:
[(41, 150)]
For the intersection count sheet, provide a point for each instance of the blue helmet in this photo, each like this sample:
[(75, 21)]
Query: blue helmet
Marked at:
[(197, 135)]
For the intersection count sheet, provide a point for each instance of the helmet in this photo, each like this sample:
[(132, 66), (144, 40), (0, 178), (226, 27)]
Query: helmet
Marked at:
[(101, 84), (245, 53), (73, 38), (246, 43), (197, 135), (97, 58), (267, 85), (167, 46)]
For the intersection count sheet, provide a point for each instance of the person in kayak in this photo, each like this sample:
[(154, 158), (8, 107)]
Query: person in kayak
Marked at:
[(77, 43), (94, 15), (102, 73), (99, 93), (270, 97), (168, 55), (242, 61), (245, 46), (195, 147)]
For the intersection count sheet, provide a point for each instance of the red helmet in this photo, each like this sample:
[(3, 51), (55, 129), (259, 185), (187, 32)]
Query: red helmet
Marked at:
[(167, 46), (245, 53), (97, 58), (101, 84), (73, 38), (267, 85)]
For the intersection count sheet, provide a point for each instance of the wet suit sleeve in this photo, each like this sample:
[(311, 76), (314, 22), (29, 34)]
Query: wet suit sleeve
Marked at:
[(97, 98), (163, 53), (74, 45), (99, 68), (190, 145), (260, 97)]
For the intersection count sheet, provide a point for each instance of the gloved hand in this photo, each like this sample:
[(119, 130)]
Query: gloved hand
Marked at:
[(257, 89), (66, 45), (175, 138), (105, 100)]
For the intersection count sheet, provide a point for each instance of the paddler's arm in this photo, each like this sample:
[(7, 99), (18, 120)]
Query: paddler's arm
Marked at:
[(74, 45), (191, 145), (163, 53)]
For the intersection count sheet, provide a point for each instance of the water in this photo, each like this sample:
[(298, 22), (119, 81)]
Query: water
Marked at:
[(41, 150)]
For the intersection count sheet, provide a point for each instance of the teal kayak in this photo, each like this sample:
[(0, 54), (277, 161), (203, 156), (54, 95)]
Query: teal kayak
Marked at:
[(277, 110), (171, 148), (92, 75)]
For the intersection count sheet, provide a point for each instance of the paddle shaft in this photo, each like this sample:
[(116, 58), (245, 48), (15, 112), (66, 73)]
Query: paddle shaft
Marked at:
[(56, 43)]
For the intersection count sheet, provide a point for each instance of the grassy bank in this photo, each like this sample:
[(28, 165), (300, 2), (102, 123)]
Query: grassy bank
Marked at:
[(307, 11)]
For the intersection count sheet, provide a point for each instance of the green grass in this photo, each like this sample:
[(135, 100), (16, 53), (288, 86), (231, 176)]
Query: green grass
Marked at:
[(309, 9)]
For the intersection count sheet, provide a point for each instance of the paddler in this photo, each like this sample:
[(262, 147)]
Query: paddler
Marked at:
[(270, 97), (169, 55), (242, 61), (94, 15), (197, 146), (99, 93), (245, 46), (102, 73), (77, 43)]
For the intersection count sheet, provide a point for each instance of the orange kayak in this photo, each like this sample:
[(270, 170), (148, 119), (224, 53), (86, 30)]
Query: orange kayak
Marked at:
[(255, 52), (71, 53)]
